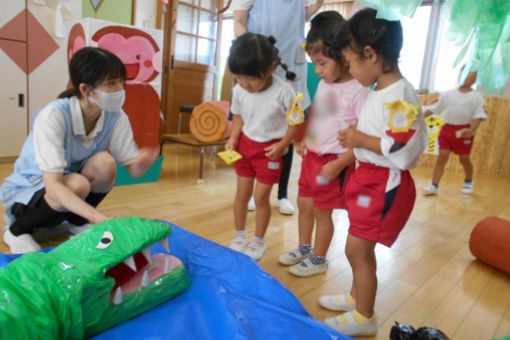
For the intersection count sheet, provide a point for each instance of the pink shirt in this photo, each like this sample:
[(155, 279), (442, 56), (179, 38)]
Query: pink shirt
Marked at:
[(335, 106)]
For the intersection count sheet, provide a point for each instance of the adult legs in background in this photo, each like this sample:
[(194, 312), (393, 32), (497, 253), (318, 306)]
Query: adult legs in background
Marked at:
[(284, 205)]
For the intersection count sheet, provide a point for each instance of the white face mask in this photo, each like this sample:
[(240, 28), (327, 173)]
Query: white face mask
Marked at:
[(109, 101)]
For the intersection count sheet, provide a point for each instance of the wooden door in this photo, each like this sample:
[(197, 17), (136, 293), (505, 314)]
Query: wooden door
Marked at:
[(192, 31)]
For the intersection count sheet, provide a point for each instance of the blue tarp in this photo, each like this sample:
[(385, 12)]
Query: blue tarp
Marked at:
[(230, 297)]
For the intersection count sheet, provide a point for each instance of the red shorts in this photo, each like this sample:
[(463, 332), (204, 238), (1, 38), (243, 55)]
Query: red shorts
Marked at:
[(325, 195), (449, 141), (254, 162), (375, 214)]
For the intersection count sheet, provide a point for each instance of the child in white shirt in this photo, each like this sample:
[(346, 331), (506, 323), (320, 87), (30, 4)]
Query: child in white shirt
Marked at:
[(326, 166), (387, 142), (260, 132), (463, 112)]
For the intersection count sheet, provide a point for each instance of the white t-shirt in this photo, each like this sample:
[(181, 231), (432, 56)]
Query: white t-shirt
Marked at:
[(50, 129), (400, 149), (459, 108), (264, 113), (243, 5), (335, 106)]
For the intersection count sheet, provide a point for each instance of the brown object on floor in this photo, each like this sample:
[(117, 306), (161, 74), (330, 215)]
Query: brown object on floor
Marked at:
[(489, 242)]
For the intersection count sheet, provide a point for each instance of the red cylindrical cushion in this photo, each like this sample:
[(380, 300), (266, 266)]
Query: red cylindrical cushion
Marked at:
[(490, 242)]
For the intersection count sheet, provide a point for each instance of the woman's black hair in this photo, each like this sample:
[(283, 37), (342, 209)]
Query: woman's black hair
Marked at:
[(384, 36), (252, 54), (325, 27), (91, 66)]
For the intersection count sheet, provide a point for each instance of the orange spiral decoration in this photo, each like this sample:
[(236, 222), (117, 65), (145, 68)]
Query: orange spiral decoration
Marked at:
[(208, 121)]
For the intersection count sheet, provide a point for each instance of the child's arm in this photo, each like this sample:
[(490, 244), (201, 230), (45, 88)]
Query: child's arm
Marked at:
[(353, 138), (333, 168), (468, 133), (237, 127), (276, 150)]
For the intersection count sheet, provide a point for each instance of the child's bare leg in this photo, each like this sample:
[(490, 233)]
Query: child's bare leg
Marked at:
[(444, 154), (243, 194), (306, 219), (324, 232), (361, 256), (468, 166), (263, 211)]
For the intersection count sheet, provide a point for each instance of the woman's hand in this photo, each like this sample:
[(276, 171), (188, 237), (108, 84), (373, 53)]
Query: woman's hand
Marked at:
[(146, 157)]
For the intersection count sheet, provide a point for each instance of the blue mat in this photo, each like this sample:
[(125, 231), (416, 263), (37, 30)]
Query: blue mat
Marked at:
[(231, 298)]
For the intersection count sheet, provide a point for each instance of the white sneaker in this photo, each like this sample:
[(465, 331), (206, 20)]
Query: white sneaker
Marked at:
[(285, 206), (238, 244), (467, 188), (251, 204), (346, 324), (430, 190), (307, 268), (336, 302), (293, 257), (255, 251), (21, 244)]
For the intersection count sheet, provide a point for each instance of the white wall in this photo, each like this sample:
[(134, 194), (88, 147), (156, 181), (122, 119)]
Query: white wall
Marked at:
[(145, 13), (51, 77)]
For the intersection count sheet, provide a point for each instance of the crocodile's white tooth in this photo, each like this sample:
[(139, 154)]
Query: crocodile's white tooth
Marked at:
[(130, 262), (145, 279), (147, 253), (164, 244), (168, 266), (117, 298)]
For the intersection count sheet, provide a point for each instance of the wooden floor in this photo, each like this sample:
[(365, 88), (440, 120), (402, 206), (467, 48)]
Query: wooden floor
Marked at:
[(428, 277)]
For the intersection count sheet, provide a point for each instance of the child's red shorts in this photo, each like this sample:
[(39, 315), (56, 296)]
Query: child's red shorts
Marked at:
[(254, 162), (376, 213), (448, 139), (325, 195)]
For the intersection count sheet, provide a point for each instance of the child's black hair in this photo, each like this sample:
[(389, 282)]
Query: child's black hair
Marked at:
[(384, 36), (91, 66), (252, 54), (324, 30)]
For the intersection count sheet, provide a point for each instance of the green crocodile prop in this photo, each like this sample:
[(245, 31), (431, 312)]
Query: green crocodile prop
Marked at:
[(95, 280)]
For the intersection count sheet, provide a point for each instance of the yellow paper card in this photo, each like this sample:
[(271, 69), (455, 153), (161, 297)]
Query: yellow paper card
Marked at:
[(230, 156)]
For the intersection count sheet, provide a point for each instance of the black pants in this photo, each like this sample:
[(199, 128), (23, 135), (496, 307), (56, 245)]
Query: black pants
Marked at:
[(38, 214)]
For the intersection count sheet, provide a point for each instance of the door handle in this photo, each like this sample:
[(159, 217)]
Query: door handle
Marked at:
[(21, 100)]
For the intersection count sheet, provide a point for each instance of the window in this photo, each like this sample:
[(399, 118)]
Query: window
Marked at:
[(415, 40), (195, 38)]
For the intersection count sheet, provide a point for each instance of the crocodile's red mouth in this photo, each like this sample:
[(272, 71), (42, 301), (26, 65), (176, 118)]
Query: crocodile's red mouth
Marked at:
[(139, 271)]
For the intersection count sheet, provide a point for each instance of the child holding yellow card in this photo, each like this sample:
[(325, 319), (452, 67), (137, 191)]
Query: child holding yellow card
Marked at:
[(261, 132)]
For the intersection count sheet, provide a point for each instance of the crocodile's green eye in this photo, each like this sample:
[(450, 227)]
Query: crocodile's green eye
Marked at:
[(106, 240)]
